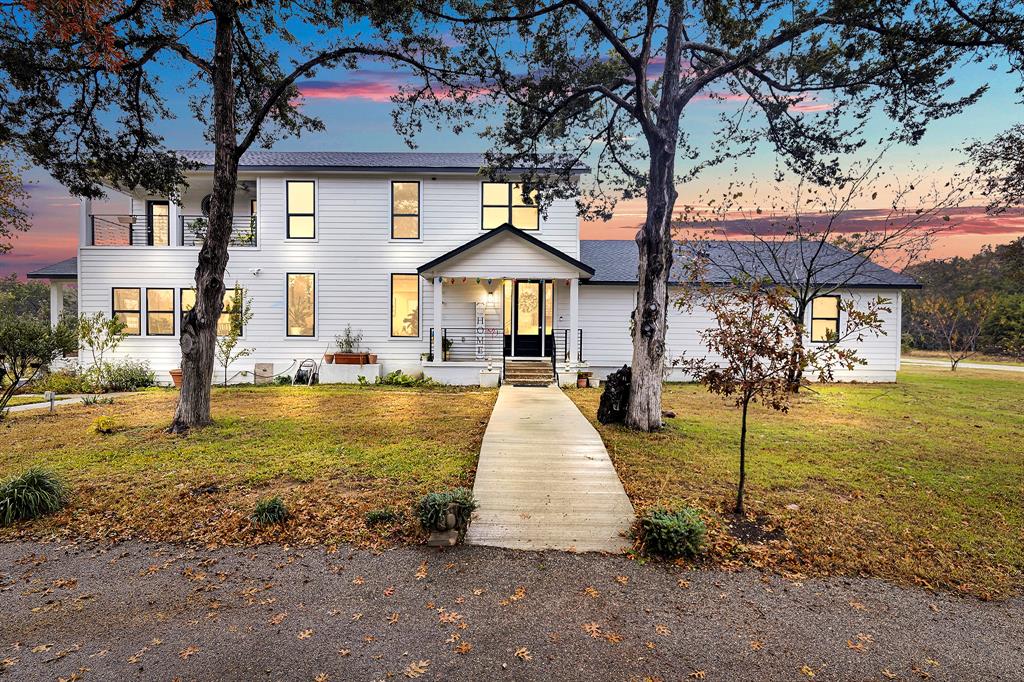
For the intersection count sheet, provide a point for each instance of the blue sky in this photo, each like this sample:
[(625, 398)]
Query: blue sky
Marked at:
[(356, 110)]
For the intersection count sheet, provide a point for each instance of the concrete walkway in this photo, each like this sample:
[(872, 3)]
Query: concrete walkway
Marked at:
[(545, 480), (63, 400), (922, 362)]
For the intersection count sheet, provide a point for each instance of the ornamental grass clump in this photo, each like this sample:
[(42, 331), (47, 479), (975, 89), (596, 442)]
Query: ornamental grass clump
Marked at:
[(31, 494), (449, 510), (269, 510), (673, 534)]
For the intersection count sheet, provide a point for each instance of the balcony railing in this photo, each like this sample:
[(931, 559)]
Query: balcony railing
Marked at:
[(194, 229), (126, 229)]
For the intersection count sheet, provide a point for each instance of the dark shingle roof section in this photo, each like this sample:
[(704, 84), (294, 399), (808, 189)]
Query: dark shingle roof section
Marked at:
[(66, 269), (441, 162), (616, 261)]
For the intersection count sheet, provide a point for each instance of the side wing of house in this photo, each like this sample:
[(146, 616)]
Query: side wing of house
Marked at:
[(605, 311)]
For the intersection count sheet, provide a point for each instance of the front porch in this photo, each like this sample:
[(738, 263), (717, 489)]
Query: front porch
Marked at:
[(502, 298)]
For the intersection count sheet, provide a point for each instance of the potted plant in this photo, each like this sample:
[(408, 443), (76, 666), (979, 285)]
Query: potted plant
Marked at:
[(446, 515), (348, 348), (176, 377), (446, 348), (583, 379)]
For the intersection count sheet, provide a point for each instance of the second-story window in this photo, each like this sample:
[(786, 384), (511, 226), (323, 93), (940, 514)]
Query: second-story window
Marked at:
[(127, 307), (509, 202), (301, 209), (405, 210)]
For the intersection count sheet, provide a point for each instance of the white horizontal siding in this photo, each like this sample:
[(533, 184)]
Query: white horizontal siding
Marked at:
[(605, 312)]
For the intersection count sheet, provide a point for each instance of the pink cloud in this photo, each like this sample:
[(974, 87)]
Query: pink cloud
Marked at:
[(373, 91)]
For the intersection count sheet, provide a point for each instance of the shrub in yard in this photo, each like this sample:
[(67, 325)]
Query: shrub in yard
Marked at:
[(615, 397), (399, 378), (30, 494), (449, 510), (104, 425), (63, 382), (377, 517), (127, 375), (269, 510), (673, 534)]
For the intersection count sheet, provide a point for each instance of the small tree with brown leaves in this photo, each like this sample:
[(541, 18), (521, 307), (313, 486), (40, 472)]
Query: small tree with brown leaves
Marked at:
[(954, 324), (751, 346)]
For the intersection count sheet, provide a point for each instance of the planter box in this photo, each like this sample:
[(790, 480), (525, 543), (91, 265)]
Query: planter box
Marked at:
[(352, 358), (348, 374)]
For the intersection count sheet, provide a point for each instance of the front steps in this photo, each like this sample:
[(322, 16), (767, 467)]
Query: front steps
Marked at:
[(529, 373)]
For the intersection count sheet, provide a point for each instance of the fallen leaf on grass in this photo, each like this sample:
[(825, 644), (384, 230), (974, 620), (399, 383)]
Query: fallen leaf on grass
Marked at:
[(591, 592), (188, 651), (523, 653), (756, 645), (356, 616), (421, 572), (389, 591), (807, 670), (613, 637), (889, 675), (858, 605), (322, 677), (305, 634), (344, 652), (698, 675), (592, 629), (464, 648), (417, 668), (662, 629), (278, 619), (358, 580), (683, 583), (622, 579), (393, 618), (41, 648)]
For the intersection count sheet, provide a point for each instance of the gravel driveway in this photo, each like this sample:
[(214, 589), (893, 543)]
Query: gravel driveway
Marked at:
[(141, 611)]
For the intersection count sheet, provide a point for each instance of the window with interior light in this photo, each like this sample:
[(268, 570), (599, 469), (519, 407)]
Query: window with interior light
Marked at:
[(127, 307), (509, 202), (405, 305), (230, 312), (160, 312), (301, 209), (405, 209), (825, 319), (301, 304)]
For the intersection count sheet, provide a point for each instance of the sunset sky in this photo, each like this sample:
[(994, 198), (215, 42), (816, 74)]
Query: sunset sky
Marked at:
[(356, 108)]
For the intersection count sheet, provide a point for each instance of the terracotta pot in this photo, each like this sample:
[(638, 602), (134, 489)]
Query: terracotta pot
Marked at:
[(372, 358), (329, 358), (351, 358), (582, 382), (176, 377)]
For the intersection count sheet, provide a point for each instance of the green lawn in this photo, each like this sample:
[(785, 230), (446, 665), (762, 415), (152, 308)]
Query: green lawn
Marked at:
[(24, 400), (332, 453), (921, 481)]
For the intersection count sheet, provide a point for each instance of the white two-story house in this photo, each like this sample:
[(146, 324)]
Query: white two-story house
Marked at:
[(441, 271)]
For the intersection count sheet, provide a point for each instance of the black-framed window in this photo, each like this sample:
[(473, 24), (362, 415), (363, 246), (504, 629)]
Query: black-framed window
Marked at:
[(160, 312), (158, 214), (825, 319), (405, 209), (509, 202), (126, 305), (301, 209), (405, 305), (230, 313), (301, 305)]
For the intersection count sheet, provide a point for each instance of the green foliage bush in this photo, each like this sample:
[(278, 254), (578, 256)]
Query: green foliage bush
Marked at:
[(673, 534), (31, 494), (269, 510), (377, 517), (63, 382), (127, 375), (432, 510), (104, 425), (399, 378)]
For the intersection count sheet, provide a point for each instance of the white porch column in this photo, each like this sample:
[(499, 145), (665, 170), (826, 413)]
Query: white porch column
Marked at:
[(173, 223), (574, 319), (438, 320), (56, 301), (84, 209)]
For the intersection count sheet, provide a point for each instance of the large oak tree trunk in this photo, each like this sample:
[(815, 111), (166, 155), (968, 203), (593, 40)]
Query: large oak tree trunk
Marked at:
[(650, 316), (199, 329)]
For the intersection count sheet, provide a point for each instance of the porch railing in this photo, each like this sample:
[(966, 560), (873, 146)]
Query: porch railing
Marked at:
[(123, 229), (194, 228), (127, 229), (467, 344)]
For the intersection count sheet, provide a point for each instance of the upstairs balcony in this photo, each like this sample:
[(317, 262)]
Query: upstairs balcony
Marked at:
[(125, 229)]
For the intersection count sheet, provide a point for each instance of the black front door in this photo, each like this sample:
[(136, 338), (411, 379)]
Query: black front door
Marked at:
[(528, 307)]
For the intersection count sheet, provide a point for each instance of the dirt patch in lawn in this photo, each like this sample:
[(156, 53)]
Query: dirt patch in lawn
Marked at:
[(333, 454)]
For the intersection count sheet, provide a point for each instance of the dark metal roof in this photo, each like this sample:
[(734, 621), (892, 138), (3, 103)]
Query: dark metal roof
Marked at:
[(506, 228), (442, 162), (616, 262), (66, 269)]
